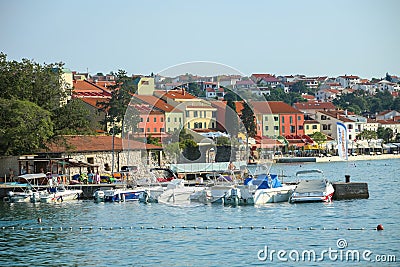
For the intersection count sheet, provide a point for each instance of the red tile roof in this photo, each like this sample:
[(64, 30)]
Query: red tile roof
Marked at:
[(92, 143), (157, 103), (175, 94), (81, 86), (314, 105), (279, 107)]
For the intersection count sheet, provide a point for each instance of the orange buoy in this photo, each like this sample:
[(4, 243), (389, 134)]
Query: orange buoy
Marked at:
[(379, 227)]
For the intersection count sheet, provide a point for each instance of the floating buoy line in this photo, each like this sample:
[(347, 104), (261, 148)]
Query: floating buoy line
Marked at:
[(173, 227)]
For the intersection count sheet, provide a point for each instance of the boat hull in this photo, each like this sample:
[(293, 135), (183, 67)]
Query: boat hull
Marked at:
[(67, 195)]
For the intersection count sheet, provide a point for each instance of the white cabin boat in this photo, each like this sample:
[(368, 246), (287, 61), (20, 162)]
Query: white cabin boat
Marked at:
[(312, 190), (60, 194)]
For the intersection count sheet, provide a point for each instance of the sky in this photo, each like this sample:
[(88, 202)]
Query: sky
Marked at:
[(310, 37)]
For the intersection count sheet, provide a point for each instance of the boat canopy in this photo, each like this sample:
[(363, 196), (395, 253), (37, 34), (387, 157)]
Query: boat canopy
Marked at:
[(262, 181), (32, 176), (309, 172), (309, 186)]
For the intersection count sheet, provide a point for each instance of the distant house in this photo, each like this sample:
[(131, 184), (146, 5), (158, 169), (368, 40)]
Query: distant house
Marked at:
[(387, 115), (311, 108), (328, 120), (327, 95), (386, 85), (174, 117), (276, 118), (348, 80), (311, 126)]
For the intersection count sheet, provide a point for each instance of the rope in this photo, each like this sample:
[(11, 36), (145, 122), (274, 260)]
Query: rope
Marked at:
[(183, 227)]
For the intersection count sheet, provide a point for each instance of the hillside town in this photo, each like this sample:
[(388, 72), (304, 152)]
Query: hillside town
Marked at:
[(199, 105)]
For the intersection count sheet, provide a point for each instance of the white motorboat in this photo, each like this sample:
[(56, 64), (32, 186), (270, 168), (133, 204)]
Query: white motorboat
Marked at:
[(175, 193), (121, 195), (60, 194), (215, 193), (265, 188), (30, 193), (312, 190)]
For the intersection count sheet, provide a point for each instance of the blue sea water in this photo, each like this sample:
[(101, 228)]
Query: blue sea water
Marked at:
[(83, 233)]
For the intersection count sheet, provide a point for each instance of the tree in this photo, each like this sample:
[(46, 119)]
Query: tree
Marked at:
[(153, 140), (116, 107), (385, 133), (248, 120), (319, 138), (30, 81), (368, 135), (195, 89), (24, 127), (72, 118)]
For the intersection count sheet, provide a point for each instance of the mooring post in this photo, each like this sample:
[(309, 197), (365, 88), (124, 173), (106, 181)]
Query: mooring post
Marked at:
[(347, 178)]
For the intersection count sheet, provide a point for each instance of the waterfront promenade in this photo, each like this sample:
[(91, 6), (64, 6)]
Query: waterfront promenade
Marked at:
[(359, 157)]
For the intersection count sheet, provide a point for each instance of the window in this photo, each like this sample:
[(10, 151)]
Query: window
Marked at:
[(148, 119), (276, 118), (265, 118), (283, 119), (212, 125), (276, 128), (266, 128), (291, 119), (214, 114), (148, 129), (283, 129), (350, 126), (314, 127), (155, 130), (299, 118), (169, 119), (292, 129), (169, 129), (188, 125), (180, 119), (155, 119), (350, 137), (162, 119), (187, 113), (195, 114), (324, 127), (141, 119), (301, 127), (205, 114), (175, 119), (307, 127), (141, 130)]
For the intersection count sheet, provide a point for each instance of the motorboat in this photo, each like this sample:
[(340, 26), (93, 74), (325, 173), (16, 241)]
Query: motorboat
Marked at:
[(219, 186), (118, 195), (60, 194), (175, 193), (27, 195), (29, 183), (313, 189)]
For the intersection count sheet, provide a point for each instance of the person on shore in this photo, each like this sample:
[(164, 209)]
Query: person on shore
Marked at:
[(97, 178)]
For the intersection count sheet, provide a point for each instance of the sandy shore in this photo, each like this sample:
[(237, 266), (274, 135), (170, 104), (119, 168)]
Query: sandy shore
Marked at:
[(359, 157)]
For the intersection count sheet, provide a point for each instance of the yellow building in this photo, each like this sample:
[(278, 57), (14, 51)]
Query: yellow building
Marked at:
[(311, 126), (145, 86)]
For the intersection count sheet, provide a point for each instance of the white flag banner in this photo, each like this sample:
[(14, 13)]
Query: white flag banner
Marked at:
[(342, 140)]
